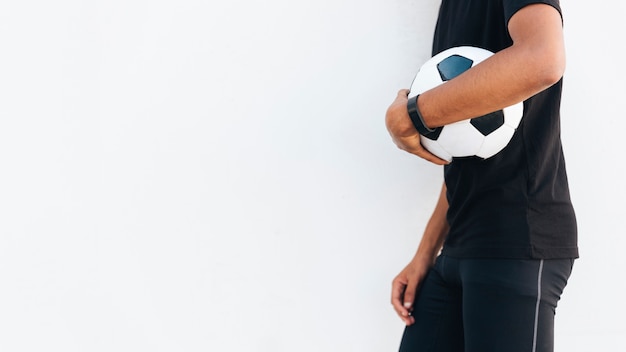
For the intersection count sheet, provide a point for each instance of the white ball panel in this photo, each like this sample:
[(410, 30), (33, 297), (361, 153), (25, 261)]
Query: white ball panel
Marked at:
[(435, 148), (513, 115), (427, 78), (495, 142), (461, 139)]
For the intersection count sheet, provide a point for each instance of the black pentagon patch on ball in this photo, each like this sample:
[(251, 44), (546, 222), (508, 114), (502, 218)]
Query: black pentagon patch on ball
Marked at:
[(488, 123), (434, 134), (453, 66)]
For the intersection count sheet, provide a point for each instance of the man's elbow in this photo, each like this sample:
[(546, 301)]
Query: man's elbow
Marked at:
[(554, 70), (537, 32), (548, 68)]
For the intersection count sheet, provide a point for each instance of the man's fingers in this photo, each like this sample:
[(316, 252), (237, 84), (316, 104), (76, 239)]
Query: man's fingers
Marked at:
[(423, 153), (403, 92), (432, 158), (415, 147), (397, 298), (409, 296)]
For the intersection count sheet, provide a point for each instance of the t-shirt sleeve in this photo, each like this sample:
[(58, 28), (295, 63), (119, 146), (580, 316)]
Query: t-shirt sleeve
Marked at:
[(512, 6)]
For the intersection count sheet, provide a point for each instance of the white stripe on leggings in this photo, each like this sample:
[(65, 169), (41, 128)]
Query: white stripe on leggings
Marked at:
[(537, 306)]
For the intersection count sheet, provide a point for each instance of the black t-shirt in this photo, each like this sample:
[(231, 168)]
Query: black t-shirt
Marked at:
[(515, 204)]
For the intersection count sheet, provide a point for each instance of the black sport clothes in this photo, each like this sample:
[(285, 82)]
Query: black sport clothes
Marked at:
[(515, 204), (487, 305)]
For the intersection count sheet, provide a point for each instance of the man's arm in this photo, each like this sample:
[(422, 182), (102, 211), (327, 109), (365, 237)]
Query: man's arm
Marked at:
[(405, 285), (534, 62)]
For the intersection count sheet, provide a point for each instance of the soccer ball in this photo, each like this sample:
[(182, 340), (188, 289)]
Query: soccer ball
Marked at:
[(482, 136)]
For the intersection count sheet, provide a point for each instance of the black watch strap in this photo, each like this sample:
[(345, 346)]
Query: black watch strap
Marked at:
[(416, 117)]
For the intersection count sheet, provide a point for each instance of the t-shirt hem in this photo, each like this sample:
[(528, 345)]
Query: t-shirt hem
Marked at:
[(510, 12)]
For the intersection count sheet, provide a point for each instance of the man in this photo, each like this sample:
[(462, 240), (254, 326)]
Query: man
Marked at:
[(499, 247)]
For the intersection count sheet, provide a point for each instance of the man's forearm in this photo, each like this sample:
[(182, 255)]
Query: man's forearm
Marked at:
[(436, 230)]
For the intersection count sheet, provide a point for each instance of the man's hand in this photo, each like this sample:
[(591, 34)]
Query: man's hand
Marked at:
[(403, 132), (404, 288)]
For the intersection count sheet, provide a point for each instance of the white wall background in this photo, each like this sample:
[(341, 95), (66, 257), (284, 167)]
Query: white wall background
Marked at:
[(216, 176)]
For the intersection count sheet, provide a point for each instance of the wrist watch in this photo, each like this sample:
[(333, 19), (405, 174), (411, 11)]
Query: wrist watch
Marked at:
[(416, 117)]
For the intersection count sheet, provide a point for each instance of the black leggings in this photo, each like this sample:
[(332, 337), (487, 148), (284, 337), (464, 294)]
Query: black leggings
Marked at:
[(487, 305)]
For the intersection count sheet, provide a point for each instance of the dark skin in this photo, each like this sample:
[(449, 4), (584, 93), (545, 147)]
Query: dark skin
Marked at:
[(538, 47)]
